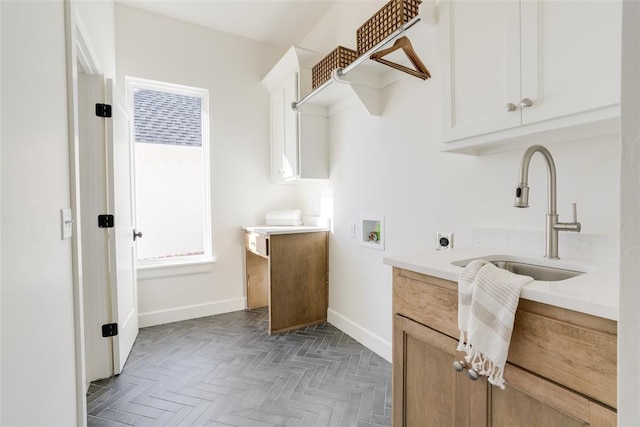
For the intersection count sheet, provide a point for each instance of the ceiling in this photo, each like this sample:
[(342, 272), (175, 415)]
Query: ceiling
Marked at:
[(278, 22)]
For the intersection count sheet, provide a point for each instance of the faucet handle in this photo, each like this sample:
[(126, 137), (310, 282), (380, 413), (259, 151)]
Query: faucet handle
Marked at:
[(574, 226)]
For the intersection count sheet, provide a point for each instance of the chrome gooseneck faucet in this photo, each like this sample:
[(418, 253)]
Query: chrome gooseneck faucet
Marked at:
[(522, 199)]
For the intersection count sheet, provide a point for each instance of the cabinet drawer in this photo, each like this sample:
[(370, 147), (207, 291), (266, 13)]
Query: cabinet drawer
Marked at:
[(576, 350), (257, 243), (427, 300)]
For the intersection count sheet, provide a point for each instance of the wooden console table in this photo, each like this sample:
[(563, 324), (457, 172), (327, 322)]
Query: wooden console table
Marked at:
[(286, 270)]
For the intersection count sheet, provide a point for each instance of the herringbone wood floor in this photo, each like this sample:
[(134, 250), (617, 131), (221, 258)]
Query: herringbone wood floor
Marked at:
[(225, 370)]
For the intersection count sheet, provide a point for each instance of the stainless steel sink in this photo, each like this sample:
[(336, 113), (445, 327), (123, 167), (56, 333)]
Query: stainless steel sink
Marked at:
[(536, 271)]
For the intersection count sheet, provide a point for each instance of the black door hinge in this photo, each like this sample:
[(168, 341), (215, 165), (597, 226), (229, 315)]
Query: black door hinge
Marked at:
[(105, 221), (103, 110), (110, 330)]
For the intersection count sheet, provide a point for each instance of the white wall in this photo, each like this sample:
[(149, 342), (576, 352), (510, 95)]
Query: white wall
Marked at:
[(629, 320), (38, 357), (391, 166), (96, 20), (157, 48), (0, 216)]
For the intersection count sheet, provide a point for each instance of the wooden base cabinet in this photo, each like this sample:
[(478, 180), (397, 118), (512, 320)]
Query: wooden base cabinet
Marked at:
[(561, 369), (288, 273)]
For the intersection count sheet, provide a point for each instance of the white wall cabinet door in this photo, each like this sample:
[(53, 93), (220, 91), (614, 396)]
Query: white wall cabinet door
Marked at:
[(481, 66), (570, 57), (277, 133), (291, 131), (284, 130)]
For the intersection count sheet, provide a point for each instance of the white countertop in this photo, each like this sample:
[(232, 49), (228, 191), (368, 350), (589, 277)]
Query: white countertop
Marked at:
[(595, 292), (268, 230)]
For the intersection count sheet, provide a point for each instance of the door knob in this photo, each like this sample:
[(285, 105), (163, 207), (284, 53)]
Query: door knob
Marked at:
[(526, 103), (137, 235), (510, 107)]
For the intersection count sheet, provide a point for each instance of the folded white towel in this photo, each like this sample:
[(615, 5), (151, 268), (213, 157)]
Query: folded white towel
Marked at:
[(290, 221), (487, 301), (286, 214), (286, 217)]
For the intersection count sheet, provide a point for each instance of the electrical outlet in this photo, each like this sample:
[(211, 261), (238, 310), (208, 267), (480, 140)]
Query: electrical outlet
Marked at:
[(444, 240), (352, 229)]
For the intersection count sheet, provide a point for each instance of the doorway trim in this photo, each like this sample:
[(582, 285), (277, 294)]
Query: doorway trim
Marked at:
[(79, 54)]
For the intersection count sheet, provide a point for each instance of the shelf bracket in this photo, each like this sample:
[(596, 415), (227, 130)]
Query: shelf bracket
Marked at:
[(369, 97)]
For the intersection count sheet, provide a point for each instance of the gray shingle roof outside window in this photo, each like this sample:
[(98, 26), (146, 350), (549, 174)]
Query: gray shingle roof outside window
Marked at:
[(167, 118)]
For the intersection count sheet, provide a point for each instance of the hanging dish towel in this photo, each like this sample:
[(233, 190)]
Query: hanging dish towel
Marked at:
[(487, 301)]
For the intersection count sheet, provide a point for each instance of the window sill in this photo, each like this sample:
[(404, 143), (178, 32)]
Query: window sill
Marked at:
[(177, 268)]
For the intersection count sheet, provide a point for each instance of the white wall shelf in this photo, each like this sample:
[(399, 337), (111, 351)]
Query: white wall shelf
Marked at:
[(361, 78)]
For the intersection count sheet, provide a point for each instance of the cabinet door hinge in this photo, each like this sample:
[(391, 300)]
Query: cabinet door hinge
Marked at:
[(105, 221), (103, 110), (110, 330)]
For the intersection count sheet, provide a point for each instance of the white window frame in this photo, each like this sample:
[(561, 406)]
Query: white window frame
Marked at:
[(133, 83)]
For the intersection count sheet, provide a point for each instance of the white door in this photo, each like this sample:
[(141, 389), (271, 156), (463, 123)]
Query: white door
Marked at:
[(108, 254), (122, 249)]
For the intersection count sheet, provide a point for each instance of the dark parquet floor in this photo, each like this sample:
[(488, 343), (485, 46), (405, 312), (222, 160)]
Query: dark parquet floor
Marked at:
[(225, 370)]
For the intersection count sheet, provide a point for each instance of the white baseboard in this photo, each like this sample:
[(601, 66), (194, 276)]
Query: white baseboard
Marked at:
[(176, 314), (365, 337)]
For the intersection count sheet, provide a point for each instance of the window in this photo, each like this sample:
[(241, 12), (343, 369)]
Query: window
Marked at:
[(171, 141)]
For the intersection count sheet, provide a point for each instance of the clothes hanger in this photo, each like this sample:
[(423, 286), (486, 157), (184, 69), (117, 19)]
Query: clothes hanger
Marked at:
[(403, 43)]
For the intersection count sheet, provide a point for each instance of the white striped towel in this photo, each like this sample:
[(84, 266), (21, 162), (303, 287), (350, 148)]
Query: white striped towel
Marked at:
[(487, 301)]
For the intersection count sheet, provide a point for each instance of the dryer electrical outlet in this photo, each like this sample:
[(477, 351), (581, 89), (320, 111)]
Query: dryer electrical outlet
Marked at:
[(444, 240)]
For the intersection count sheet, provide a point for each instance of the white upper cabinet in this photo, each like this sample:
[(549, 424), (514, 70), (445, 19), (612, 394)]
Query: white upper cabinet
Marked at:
[(299, 141), (512, 70), (284, 130)]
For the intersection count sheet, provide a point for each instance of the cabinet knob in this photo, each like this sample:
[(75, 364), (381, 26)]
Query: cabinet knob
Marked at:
[(472, 374), (526, 103), (510, 107), (459, 365)]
